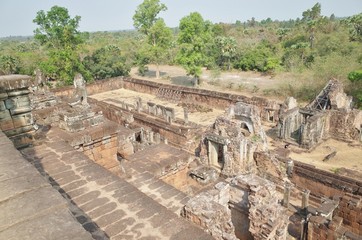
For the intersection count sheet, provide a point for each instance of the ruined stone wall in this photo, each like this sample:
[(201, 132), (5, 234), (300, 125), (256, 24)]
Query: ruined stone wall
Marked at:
[(345, 125), (99, 143), (350, 209), (289, 125), (322, 183), (210, 211), (268, 219), (240, 134), (313, 130), (92, 88), (320, 228), (16, 119), (269, 108), (173, 133)]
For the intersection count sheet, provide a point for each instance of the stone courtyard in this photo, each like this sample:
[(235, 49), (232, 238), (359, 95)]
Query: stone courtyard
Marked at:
[(126, 158)]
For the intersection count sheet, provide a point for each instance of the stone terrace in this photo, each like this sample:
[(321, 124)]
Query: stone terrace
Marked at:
[(29, 207), (130, 97), (106, 205)]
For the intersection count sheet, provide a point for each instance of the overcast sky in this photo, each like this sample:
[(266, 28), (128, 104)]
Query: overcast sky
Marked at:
[(16, 16)]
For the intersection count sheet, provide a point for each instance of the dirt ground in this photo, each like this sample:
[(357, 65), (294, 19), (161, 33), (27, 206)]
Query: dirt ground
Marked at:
[(347, 156), (245, 83)]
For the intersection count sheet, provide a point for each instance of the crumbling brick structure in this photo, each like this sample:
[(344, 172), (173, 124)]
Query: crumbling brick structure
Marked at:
[(329, 115), (229, 144)]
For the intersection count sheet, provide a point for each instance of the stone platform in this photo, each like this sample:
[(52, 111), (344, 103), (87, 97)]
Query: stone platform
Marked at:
[(29, 207)]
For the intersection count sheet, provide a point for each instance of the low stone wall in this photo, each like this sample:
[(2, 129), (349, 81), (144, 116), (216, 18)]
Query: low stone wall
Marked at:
[(92, 88), (173, 133), (350, 209), (100, 144), (269, 108), (322, 183)]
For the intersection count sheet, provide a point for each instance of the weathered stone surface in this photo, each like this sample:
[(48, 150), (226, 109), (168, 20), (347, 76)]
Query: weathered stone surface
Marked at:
[(210, 210), (12, 82), (29, 207), (268, 219), (58, 225)]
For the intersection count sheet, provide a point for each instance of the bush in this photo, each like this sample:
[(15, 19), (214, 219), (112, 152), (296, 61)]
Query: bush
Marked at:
[(355, 76)]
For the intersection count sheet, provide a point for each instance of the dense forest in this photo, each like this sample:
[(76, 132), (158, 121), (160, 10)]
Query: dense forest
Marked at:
[(311, 49)]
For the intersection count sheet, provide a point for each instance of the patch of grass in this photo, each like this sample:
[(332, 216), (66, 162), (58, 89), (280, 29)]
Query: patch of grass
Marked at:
[(335, 170)]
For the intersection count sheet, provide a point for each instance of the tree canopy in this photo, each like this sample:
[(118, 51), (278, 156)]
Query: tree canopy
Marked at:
[(194, 37), (157, 33), (58, 32)]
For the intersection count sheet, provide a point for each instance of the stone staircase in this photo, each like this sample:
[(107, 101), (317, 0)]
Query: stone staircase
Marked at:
[(161, 192), (107, 206)]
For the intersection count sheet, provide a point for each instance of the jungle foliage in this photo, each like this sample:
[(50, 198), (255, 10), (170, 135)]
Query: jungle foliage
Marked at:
[(312, 47)]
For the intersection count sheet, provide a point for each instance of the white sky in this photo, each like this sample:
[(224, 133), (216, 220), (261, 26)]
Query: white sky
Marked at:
[(16, 16)]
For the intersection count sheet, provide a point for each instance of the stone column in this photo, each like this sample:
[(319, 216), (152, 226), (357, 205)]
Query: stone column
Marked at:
[(157, 138), (142, 136), (165, 141), (151, 137), (302, 229), (290, 165), (305, 200), (138, 105), (186, 115), (286, 198)]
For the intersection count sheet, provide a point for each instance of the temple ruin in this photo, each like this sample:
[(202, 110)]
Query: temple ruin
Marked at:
[(126, 158)]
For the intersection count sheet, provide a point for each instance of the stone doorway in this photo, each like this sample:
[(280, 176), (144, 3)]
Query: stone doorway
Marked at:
[(216, 155)]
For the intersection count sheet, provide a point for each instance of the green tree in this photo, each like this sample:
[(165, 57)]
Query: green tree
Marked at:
[(312, 17), (107, 62), (356, 79), (194, 37), (262, 58), (58, 32), (9, 64), (226, 47), (158, 35), (355, 25)]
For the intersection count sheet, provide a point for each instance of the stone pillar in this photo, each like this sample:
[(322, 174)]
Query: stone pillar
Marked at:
[(142, 136), (140, 103), (290, 165), (157, 138), (138, 106), (286, 198), (186, 115), (303, 229), (165, 141), (151, 137), (305, 200), (169, 119)]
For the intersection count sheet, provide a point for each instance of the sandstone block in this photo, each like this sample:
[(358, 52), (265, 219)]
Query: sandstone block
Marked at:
[(6, 124), (5, 115), (23, 120)]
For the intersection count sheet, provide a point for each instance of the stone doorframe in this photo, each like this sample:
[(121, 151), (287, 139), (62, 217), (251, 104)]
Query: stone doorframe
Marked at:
[(216, 145)]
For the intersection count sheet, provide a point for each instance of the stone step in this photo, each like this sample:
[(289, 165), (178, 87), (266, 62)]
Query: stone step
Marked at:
[(160, 191), (108, 206)]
